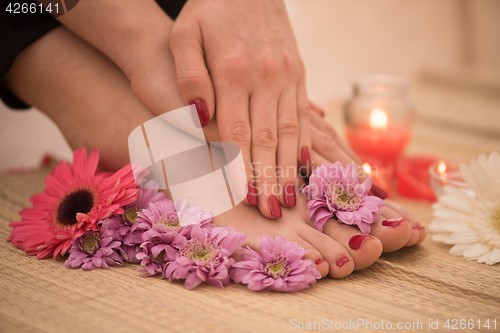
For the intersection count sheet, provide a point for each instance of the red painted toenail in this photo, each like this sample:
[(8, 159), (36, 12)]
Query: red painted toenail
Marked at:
[(341, 261), (319, 261), (356, 241), (392, 222)]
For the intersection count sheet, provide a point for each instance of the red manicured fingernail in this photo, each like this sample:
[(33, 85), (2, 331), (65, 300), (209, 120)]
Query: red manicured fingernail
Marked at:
[(356, 241), (421, 227), (274, 206), (305, 155), (319, 261), (289, 194), (251, 194), (202, 110), (341, 261), (392, 222), (379, 192)]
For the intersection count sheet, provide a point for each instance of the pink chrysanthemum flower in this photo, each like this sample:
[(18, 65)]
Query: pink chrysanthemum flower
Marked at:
[(94, 249), (335, 191), (165, 217), (157, 251), (75, 198), (205, 258), (278, 267), (119, 226)]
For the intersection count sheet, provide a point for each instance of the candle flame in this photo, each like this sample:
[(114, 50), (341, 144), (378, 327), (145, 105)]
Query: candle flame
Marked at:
[(441, 169), (367, 168), (378, 119)]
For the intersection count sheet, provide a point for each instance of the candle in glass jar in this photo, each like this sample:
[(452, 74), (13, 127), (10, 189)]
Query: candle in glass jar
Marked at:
[(379, 138), (379, 117)]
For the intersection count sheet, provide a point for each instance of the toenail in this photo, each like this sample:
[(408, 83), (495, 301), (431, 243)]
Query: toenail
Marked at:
[(416, 227), (392, 222), (356, 242), (421, 227), (319, 261), (341, 261)]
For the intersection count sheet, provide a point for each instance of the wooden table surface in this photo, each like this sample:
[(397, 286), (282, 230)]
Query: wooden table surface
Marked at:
[(410, 288)]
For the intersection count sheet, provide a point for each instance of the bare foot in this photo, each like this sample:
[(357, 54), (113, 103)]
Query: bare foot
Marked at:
[(344, 248)]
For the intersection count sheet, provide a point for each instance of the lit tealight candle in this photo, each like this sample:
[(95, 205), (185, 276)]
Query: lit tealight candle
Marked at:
[(441, 169), (378, 119), (367, 168)]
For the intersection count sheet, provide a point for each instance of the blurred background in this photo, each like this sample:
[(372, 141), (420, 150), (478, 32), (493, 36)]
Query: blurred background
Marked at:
[(448, 49)]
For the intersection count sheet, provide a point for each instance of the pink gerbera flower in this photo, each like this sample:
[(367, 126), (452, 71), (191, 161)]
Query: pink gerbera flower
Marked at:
[(335, 191), (75, 198), (119, 226), (205, 258), (279, 267), (94, 249)]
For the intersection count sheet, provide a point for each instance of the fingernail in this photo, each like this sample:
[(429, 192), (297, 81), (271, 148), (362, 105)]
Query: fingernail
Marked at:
[(251, 194), (319, 261), (392, 222), (289, 194), (274, 206), (379, 192), (421, 227), (341, 261), (305, 155), (202, 110), (356, 241)]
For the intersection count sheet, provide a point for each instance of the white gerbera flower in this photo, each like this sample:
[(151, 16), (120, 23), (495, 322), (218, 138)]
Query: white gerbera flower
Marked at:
[(472, 221)]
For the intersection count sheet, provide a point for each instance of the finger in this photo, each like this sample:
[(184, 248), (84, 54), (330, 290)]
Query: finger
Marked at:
[(193, 79), (288, 140), (316, 108), (234, 126), (264, 145), (325, 127), (326, 146), (304, 120)]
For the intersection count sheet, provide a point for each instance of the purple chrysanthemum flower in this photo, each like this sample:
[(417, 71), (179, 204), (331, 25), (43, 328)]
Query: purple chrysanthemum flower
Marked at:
[(155, 253), (278, 267), (335, 191), (168, 218), (94, 249), (120, 226), (205, 258)]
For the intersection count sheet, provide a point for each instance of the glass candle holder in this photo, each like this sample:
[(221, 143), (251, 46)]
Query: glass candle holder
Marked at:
[(379, 117), (444, 173)]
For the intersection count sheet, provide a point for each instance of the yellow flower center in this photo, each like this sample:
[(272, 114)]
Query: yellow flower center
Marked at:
[(170, 220), (130, 214), (495, 219), (278, 268), (89, 242)]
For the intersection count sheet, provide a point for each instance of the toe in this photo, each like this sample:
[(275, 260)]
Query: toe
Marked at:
[(418, 231), (363, 249), (313, 254), (392, 230), (338, 258)]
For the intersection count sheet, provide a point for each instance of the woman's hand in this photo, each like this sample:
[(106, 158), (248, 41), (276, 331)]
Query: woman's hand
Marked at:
[(241, 59)]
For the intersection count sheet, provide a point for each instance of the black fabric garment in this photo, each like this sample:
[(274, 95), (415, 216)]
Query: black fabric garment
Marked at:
[(19, 30)]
